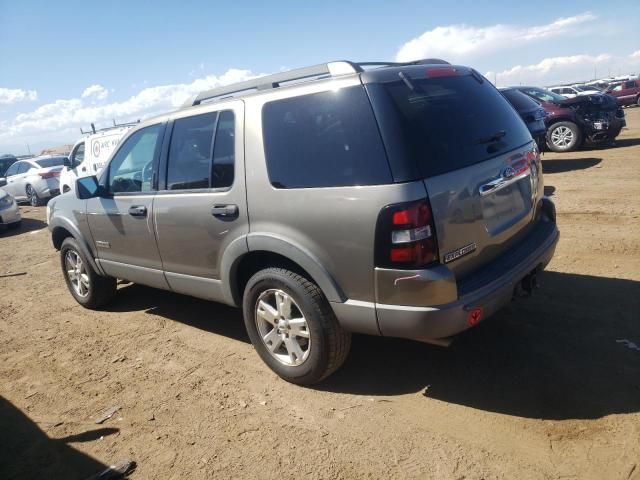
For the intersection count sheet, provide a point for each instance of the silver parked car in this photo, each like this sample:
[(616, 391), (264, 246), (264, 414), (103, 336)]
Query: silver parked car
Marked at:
[(403, 200), (35, 180), (9, 211)]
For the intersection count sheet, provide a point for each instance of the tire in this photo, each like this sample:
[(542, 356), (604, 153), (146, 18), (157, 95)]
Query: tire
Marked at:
[(85, 285), (564, 137), (33, 197), (323, 343)]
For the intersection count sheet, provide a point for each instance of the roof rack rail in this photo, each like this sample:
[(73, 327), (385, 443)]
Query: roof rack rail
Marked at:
[(104, 129), (323, 70), (330, 69)]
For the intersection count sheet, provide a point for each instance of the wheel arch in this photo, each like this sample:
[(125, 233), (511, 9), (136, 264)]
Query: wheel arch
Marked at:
[(62, 229), (265, 251)]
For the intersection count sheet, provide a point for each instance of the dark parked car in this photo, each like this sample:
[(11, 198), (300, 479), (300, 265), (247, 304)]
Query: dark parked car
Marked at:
[(596, 119), (627, 93), (530, 111), (5, 162)]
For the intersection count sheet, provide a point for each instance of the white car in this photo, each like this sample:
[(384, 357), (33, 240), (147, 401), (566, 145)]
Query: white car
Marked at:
[(35, 180), (9, 212), (90, 154), (575, 91)]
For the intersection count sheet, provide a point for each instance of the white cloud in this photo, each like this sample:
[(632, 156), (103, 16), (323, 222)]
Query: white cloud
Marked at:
[(58, 120), (635, 55), (98, 92), (556, 70), (14, 95), (461, 42)]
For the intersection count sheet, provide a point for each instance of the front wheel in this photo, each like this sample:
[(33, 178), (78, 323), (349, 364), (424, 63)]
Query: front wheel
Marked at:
[(87, 287), (564, 137), (292, 326)]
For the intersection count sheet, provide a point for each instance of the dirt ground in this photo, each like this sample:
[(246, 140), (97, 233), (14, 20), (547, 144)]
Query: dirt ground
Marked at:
[(549, 388)]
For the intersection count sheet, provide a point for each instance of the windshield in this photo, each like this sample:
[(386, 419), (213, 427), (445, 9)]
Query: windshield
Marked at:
[(453, 122), (542, 94), (51, 162)]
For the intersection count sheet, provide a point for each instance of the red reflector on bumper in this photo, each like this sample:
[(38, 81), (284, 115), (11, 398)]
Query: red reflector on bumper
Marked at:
[(474, 316)]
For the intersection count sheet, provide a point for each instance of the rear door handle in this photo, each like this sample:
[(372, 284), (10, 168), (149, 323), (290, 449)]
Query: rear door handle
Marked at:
[(224, 211), (138, 211)]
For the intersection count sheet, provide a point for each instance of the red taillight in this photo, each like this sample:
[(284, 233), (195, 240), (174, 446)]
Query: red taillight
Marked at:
[(49, 174), (435, 72), (405, 236)]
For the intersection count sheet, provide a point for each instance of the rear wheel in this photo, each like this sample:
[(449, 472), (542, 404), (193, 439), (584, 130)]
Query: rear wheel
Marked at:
[(88, 288), (292, 326), (564, 137), (33, 197)]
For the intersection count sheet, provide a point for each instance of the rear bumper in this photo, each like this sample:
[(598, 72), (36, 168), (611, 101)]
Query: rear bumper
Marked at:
[(46, 188), (487, 290)]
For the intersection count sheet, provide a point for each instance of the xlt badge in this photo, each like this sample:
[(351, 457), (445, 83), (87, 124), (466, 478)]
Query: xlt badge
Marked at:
[(461, 252)]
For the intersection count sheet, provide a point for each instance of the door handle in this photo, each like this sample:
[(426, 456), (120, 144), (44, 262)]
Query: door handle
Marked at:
[(224, 211), (138, 211)]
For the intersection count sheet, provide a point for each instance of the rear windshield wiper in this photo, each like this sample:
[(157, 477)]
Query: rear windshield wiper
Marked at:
[(492, 138)]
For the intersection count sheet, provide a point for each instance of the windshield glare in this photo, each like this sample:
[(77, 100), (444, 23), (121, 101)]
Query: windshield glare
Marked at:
[(542, 94)]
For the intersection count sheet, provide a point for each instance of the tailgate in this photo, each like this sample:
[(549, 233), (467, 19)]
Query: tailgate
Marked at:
[(480, 211)]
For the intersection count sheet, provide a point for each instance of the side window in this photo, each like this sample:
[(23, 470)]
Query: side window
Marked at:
[(24, 167), (77, 156), (327, 139), (13, 169), (224, 150), (131, 169), (630, 85), (617, 88), (189, 163)]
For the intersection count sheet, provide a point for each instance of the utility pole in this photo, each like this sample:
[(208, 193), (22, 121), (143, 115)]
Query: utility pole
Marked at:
[(28, 149)]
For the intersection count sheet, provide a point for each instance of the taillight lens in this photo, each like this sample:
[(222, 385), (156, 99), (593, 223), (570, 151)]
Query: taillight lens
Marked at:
[(405, 236), (49, 174), (435, 72)]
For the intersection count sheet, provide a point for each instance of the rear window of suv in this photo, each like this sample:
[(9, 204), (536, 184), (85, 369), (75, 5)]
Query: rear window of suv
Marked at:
[(327, 139), (449, 123)]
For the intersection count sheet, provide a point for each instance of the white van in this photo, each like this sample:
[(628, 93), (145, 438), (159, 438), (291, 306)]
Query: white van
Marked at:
[(90, 154)]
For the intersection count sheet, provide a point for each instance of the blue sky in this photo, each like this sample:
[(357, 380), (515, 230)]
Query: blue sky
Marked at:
[(143, 57)]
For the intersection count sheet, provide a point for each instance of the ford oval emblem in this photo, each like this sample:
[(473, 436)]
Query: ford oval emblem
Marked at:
[(508, 172)]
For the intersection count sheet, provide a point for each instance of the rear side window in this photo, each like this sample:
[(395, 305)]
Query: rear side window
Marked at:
[(450, 123), (327, 139), (192, 149), (24, 167), (190, 152)]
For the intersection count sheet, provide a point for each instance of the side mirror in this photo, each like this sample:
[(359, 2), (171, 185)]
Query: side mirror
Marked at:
[(67, 162), (3, 181), (88, 187)]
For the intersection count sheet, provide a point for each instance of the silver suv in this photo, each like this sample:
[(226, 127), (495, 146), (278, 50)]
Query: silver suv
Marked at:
[(403, 200)]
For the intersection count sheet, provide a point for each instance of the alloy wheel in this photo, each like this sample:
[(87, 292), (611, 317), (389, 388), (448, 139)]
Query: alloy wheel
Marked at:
[(77, 273), (31, 195), (282, 327), (562, 136)]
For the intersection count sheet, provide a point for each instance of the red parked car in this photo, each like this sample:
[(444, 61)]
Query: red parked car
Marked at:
[(595, 119), (627, 92)]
